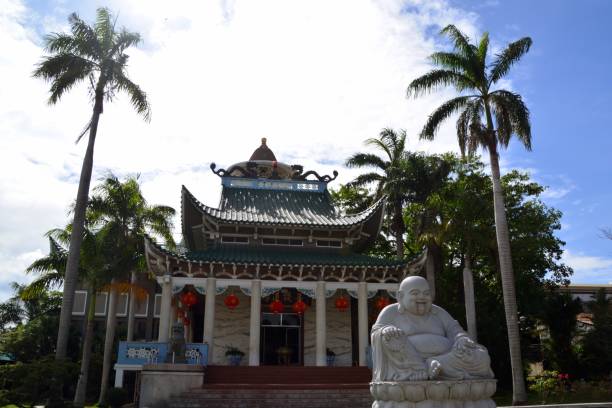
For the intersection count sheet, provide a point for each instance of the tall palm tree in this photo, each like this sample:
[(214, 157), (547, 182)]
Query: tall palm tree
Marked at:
[(126, 217), (505, 114), (390, 179), (96, 54)]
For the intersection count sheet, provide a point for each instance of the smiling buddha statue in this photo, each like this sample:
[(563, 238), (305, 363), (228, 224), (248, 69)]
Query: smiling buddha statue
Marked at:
[(414, 340)]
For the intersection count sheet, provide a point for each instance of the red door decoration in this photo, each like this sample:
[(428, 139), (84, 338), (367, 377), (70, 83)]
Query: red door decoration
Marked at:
[(341, 303), (382, 302), (277, 306), (299, 306), (189, 299), (231, 301)]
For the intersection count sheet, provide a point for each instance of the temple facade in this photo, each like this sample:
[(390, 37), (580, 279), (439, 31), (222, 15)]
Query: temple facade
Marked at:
[(275, 271)]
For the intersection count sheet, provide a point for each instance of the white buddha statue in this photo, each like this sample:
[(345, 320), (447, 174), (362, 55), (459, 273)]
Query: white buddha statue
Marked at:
[(413, 340)]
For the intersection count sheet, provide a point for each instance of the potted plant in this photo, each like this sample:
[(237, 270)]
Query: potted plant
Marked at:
[(234, 355), (331, 357)]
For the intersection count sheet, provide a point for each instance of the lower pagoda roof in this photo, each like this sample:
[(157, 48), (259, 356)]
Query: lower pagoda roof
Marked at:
[(161, 260)]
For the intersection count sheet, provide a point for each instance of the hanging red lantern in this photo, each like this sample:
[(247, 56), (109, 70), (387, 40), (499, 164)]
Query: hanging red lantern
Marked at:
[(341, 303), (299, 306), (231, 301), (189, 299), (277, 306), (382, 302)]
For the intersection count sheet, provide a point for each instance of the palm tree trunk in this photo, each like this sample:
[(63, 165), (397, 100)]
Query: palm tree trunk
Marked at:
[(519, 394), (76, 238), (430, 272), (470, 304), (109, 339), (131, 307), (79, 395), (399, 227)]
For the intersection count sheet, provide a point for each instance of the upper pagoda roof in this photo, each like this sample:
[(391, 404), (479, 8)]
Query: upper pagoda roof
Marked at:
[(280, 208)]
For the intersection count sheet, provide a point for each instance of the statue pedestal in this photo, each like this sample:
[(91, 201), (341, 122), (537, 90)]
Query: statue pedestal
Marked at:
[(433, 394)]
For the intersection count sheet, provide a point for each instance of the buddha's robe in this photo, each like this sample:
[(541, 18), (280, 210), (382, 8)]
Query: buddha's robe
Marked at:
[(426, 339)]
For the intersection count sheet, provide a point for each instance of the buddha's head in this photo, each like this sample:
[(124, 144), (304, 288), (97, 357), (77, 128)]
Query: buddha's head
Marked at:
[(414, 296)]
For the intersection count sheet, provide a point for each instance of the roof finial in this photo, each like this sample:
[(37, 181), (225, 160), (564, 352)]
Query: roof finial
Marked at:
[(263, 141)]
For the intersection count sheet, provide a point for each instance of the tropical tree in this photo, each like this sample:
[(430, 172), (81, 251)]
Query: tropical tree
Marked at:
[(125, 217), (96, 54), (505, 114), (389, 179)]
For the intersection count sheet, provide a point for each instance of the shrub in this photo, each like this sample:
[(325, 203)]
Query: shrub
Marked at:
[(116, 397)]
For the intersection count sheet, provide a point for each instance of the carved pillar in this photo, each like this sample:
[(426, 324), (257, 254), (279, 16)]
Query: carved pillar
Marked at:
[(166, 309), (255, 322), (362, 316), (321, 326), (209, 315)]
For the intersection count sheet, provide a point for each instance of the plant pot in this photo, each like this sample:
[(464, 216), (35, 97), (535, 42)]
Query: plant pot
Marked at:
[(234, 359)]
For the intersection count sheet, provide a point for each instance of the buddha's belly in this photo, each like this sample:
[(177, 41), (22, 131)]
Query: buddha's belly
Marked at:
[(430, 344)]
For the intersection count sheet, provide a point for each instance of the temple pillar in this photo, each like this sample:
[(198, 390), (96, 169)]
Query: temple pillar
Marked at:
[(165, 317), (362, 318), (209, 315), (255, 322), (321, 326)]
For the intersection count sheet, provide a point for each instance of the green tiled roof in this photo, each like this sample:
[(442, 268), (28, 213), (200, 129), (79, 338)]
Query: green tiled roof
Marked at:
[(274, 207), (277, 256)]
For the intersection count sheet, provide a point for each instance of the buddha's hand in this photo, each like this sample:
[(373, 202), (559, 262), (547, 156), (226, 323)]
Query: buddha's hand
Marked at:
[(392, 333), (464, 344)]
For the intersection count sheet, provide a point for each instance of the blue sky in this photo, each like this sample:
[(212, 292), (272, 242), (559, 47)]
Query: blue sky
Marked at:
[(315, 77)]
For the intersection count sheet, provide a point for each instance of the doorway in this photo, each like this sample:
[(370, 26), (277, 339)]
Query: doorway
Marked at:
[(282, 337)]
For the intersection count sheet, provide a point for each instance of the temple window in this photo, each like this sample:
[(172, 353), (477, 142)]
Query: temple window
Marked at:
[(234, 240), (329, 243), (282, 241)]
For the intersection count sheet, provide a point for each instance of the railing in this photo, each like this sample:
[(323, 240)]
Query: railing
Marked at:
[(139, 353)]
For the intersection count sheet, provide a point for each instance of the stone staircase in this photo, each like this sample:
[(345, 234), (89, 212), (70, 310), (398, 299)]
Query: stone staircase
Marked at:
[(274, 386)]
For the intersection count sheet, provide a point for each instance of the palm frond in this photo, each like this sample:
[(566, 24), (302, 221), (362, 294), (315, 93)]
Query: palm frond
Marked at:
[(138, 97), (64, 70), (461, 42), (125, 39), (441, 114), (451, 61), (508, 57), (366, 179), (518, 115), (438, 78), (104, 29), (366, 160), (470, 114), (84, 40)]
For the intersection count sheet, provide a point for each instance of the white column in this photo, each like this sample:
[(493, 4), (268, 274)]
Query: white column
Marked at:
[(209, 315), (166, 309), (118, 377), (255, 322), (321, 326), (362, 317)]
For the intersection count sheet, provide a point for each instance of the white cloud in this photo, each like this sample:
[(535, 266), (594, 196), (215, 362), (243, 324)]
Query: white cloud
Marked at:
[(588, 268), (314, 77)]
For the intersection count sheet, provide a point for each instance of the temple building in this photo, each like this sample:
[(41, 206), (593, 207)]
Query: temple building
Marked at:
[(277, 271)]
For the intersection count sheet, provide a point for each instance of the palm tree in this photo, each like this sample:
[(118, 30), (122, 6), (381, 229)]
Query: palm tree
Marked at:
[(97, 54), (125, 217), (390, 179), (505, 114)]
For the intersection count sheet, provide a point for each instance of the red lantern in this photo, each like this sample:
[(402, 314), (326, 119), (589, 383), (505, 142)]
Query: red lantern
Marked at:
[(231, 301), (277, 306), (382, 302), (189, 299), (299, 306), (341, 303)]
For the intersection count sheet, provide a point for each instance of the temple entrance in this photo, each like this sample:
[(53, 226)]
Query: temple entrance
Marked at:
[(281, 339)]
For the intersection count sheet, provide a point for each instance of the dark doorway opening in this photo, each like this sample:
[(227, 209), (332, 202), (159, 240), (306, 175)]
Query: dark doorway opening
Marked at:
[(281, 339)]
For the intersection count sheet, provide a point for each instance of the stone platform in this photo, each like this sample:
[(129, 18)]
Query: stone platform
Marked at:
[(433, 394), (159, 383)]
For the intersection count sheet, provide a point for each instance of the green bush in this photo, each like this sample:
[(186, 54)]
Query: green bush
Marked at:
[(38, 382), (116, 397)]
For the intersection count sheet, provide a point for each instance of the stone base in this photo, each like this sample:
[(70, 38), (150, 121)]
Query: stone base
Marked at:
[(159, 382), (433, 394)]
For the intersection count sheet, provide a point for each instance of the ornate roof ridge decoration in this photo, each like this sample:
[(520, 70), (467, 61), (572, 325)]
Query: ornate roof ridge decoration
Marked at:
[(224, 255), (232, 216), (250, 171)]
